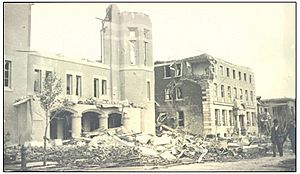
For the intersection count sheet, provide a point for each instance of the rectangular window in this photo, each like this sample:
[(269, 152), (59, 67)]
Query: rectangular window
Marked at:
[(233, 74), (148, 91), (250, 79), (96, 87), (132, 32), (245, 77), (253, 119), (132, 52), (178, 69), (222, 91), (145, 52), (104, 87), (246, 95), (248, 119), (224, 117), (217, 116), (240, 76), (167, 71), (69, 89), (178, 93), (227, 71), (180, 118), (235, 93), (221, 69), (216, 89), (78, 86), (241, 94), (37, 80), (7, 74), (168, 95), (229, 91), (146, 33), (251, 95), (230, 118)]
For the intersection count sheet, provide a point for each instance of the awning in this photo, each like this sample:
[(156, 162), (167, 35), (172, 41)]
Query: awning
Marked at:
[(21, 102)]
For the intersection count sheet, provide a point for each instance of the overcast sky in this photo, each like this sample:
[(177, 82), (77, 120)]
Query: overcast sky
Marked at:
[(258, 35)]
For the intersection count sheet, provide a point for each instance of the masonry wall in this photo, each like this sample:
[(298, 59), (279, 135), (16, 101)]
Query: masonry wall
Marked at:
[(191, 104), (16, 45)]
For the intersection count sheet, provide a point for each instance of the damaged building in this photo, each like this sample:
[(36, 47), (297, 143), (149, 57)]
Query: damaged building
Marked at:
[(116, 90), (205, 95), (282, 109)]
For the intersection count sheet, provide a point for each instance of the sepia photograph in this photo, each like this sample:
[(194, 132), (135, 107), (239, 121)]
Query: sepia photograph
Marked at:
[(156, 86)]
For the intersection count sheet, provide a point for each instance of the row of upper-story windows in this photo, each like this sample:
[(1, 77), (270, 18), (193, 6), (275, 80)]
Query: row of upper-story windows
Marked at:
[(229, 91), (239, 75), (176, 67), (71, 88)]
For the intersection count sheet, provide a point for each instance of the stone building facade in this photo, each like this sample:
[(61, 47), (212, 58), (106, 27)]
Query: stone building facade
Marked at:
[(212, 96), (116, 90)]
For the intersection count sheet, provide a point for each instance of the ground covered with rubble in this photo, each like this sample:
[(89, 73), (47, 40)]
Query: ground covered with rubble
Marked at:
[(121, 148)]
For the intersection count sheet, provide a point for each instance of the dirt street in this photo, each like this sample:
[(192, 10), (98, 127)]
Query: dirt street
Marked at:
[(285, 163)]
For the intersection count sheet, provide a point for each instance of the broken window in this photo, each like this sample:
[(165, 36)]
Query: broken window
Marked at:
[(37, 80), (48, 74), (246, 95), (233, 74), (222, 91), (132, 52), (69, 89), (251, 95), (241, 94), (96, 87), (114, 120), (178, 93), (217, 117), (145, 53), (148, 91), (227, 71), (180, 118), (248, 119), (250, 79), (104, 87), (224, 117), (229, 91), (245, 76), (221, 69), (230, 118), (168, 95), (235, 93), (78, 86), (7, 74), (178, 69), (167, 71), (216, 89), (253, 119), (240, 76)]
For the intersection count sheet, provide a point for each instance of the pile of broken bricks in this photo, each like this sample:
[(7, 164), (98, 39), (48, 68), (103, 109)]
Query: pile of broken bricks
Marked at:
[(120, 147)]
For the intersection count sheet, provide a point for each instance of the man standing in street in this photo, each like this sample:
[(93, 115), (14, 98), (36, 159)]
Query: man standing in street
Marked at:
[(276, 138), (291, 131)]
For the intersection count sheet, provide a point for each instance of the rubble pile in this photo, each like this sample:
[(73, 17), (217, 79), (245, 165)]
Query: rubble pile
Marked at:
[(120, 147)]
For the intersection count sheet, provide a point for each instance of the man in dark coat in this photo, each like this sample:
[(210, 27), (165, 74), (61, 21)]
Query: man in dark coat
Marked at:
[(291, 131), (276, 137)]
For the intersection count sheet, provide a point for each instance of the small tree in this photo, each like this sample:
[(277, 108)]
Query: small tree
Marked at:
[(51, 89)]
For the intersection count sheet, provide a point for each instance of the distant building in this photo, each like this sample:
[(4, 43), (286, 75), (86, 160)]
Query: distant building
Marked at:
[(116, 90), (205, 95), (282, 109)]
